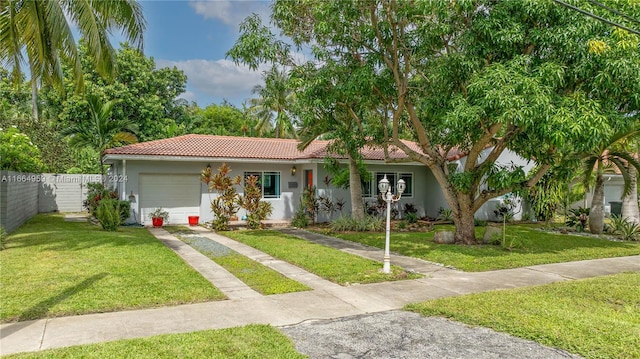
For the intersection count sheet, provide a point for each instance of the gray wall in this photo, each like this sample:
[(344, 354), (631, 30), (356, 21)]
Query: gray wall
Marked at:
[(23, 195), (18, 198)]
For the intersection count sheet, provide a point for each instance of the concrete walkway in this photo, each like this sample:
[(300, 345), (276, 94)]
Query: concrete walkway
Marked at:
[(327, 300)]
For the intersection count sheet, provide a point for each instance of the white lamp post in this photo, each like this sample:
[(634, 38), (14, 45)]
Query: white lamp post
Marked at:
[(388, 197)]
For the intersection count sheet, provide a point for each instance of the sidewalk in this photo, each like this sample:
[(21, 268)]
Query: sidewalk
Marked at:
[(327, 300)]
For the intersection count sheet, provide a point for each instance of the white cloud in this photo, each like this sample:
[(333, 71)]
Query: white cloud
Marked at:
[(217, 78), (231, 12)]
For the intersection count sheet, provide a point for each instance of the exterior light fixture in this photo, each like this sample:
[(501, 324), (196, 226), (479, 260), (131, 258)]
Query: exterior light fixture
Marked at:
[(293, 170), (388, 197)]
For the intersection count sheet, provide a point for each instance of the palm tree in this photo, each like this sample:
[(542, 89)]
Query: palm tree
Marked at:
[(41, 30), (609, 157), (100, 131), (630, 210), (273, 105)]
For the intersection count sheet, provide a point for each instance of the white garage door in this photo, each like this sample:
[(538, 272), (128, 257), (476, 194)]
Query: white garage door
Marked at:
[(177, 194)]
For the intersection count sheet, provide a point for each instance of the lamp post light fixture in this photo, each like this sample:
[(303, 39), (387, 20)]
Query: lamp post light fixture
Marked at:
[(387, 196)]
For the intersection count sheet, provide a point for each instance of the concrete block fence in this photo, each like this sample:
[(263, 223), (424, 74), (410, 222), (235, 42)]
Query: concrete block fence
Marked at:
[(23, 195)]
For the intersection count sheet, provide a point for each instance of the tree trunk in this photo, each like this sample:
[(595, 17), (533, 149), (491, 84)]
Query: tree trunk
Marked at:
[(596, 213), (464, 220), (630, 209), (34, 100), (103, 177), (355, 187)]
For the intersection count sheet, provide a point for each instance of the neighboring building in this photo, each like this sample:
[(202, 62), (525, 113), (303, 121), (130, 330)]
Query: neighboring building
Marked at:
[(166, 173)]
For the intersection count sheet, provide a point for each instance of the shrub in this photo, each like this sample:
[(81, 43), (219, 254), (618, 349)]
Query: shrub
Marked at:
[(300, 219), (480, 223), (257, 210), (616, 223), (125, 210), (411, 217), (445, 214), (410, 208), (97, 192), (578, 218), (628, 230), (309, 203), (108, 214), (225, 205), (367, 224)]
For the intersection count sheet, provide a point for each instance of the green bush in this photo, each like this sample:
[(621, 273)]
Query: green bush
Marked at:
[(617, 222), (411, 217), (578, 217), (225, 205), (96, 193), (125, 210), (108, 214), (445, 214), (480, 223), (629, 231), (367, 224), (257, 209), (300, 219)]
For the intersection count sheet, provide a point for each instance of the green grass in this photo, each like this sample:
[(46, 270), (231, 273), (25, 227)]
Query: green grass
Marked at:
[(55, 268), (595, 318), (260, 278), (252, 341), (535, 247), (328, 263)]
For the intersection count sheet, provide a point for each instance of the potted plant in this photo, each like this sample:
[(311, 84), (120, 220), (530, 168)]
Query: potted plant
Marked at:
[(158, 216)]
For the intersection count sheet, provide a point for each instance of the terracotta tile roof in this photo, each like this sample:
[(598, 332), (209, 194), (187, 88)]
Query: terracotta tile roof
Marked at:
[(242, 148)]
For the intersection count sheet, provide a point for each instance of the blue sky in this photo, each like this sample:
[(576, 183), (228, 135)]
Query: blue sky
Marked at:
[(194, 36)]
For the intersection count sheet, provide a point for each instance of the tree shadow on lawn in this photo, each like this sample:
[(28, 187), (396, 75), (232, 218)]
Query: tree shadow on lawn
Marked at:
[(53, 233), (40, 309), (527, 241)]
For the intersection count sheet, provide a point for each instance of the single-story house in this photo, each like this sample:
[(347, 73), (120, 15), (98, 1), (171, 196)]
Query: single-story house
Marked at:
[(166, 173)]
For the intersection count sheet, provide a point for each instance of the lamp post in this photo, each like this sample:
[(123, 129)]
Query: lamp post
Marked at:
[(387, 196)]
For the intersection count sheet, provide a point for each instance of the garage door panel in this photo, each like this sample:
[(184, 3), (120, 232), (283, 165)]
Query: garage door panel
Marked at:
[(177, 194)]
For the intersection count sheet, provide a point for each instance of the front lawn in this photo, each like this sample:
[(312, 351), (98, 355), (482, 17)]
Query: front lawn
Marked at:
[(259, 277), (596, 317), (54, 268), (532, 247), (252, 341), (328, 263)]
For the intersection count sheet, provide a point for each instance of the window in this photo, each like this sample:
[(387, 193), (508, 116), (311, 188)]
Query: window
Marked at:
[(370, 188), (408, 180), (366, 187), (269, 183)]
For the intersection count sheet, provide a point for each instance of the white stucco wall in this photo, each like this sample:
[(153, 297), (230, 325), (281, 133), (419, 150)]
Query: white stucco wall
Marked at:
[(427, 195), (506, 158), (283, 207)]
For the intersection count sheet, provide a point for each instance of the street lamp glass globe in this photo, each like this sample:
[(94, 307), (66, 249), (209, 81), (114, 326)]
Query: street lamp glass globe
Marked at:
[(383, 185), (401, 186)]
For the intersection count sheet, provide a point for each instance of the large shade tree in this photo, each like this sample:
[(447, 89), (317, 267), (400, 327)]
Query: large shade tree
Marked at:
[(42, 29), (472, 77), (146, 94)]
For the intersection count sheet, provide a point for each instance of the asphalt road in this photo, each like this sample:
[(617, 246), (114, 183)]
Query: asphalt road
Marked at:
[(400, 334)]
